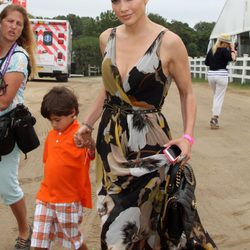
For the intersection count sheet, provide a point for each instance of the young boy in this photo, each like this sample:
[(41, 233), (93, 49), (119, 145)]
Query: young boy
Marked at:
[(65, 189)]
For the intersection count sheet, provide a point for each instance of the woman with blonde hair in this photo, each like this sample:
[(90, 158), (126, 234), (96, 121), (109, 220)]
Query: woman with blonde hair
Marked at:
[(17, 62), (217, 59)]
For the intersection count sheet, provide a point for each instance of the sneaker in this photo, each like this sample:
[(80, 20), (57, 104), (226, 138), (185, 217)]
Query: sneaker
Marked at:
[(214, 124), (22, 244)]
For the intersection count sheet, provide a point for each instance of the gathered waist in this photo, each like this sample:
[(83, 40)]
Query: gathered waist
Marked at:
[(123, 109)]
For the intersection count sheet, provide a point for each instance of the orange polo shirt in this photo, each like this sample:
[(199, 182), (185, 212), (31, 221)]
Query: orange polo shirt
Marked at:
[(66, 169)]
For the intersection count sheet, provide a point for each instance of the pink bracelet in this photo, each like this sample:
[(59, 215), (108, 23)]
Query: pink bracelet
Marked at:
[(189, 138)]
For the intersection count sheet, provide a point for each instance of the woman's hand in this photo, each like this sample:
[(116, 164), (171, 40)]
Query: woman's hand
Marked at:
[(82, 137), (185, 147)]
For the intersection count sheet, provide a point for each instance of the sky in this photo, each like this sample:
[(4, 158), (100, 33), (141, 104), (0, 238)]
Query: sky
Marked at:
[(186, 11)]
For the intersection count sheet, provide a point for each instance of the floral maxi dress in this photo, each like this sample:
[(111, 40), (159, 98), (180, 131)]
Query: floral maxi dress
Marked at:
[(130, 166)]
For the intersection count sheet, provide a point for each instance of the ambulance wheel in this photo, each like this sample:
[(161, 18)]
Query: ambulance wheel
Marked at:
[(62, 78)]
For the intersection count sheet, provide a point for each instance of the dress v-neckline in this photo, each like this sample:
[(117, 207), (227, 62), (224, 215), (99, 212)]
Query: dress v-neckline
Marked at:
[(138, 61)]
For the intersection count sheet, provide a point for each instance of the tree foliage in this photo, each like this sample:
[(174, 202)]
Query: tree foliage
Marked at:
[(85, 52), (158, 19), (86, 32), (203, 31)]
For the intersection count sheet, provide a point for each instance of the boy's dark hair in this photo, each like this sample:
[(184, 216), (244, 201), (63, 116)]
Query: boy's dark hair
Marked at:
[(59, 101)]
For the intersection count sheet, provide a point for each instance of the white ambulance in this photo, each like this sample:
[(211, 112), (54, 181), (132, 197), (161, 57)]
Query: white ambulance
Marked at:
[(54, 47)]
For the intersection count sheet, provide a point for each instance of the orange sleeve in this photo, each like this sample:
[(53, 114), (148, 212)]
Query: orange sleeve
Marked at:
[(45, 150)]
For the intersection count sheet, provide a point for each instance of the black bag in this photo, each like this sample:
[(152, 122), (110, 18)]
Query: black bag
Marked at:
[(181, 226), (179, 207), (7, 141), (23, 127)]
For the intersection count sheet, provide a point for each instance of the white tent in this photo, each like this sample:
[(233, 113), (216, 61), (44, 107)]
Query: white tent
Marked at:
[(234, 20)]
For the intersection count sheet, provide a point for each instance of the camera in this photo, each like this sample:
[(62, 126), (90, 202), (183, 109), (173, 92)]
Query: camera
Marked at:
[(23, 117), (23, 128), (172, 153)]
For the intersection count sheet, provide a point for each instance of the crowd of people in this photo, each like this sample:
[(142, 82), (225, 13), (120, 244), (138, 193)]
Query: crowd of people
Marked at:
[(130, 165)]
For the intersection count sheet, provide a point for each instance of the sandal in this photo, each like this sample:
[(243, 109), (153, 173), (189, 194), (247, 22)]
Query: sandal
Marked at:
[(22, 244), (214, 124)]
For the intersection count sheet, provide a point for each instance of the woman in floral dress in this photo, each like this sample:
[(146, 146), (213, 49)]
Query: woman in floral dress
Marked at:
[(140, 58)]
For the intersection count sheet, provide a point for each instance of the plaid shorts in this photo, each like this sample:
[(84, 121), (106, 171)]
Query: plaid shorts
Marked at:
[(57, 221)]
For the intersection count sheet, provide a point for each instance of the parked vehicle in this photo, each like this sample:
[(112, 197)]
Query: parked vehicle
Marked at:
[(54, 47)]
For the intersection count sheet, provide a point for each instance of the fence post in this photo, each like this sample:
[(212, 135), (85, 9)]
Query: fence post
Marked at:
[(244, 65), (206, 70), (230, 73), (195, 61), (93, 70), (89, 70)]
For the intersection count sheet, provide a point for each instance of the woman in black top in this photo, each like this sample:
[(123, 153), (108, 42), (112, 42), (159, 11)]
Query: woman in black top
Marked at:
[(217, 59)]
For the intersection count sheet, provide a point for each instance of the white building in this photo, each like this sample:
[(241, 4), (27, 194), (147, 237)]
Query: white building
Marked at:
[(235, 20)]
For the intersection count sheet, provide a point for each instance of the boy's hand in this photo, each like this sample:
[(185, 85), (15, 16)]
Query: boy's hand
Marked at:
[(91, 148), (91, 144)]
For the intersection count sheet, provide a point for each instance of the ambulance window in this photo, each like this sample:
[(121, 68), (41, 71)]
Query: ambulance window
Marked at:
[(47, 38)]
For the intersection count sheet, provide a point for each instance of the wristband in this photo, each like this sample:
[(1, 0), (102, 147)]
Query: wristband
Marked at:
[(189, 138), (88, 126)]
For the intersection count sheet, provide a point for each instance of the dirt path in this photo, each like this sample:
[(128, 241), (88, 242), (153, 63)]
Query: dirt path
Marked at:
[(220, 159)]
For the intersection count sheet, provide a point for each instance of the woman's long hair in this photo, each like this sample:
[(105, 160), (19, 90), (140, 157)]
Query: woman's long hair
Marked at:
[(26, 40), (216, 46)]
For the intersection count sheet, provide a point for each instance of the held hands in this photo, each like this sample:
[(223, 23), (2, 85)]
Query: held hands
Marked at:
[(82, 137)]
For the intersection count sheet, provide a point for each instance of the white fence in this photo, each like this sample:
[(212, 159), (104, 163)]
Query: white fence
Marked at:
[(239, 70), (93, 70)]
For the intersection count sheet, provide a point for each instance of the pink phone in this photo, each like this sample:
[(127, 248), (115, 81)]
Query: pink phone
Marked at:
[(172, 153)]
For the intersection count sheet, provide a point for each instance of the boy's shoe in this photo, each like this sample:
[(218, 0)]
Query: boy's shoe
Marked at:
[(22, 244), (214, 124)]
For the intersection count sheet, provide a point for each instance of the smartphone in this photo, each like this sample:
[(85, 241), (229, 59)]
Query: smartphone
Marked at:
[(172, 153)]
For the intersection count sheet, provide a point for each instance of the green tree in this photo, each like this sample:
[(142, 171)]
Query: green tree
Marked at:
[(86, 51), (203, 32), (106, 20), (183, 30), (89, 27), (193, 50), (75, 23), (158, 19)]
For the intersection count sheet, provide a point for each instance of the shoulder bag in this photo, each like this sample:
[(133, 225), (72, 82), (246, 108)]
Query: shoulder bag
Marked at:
[(180, 225)]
